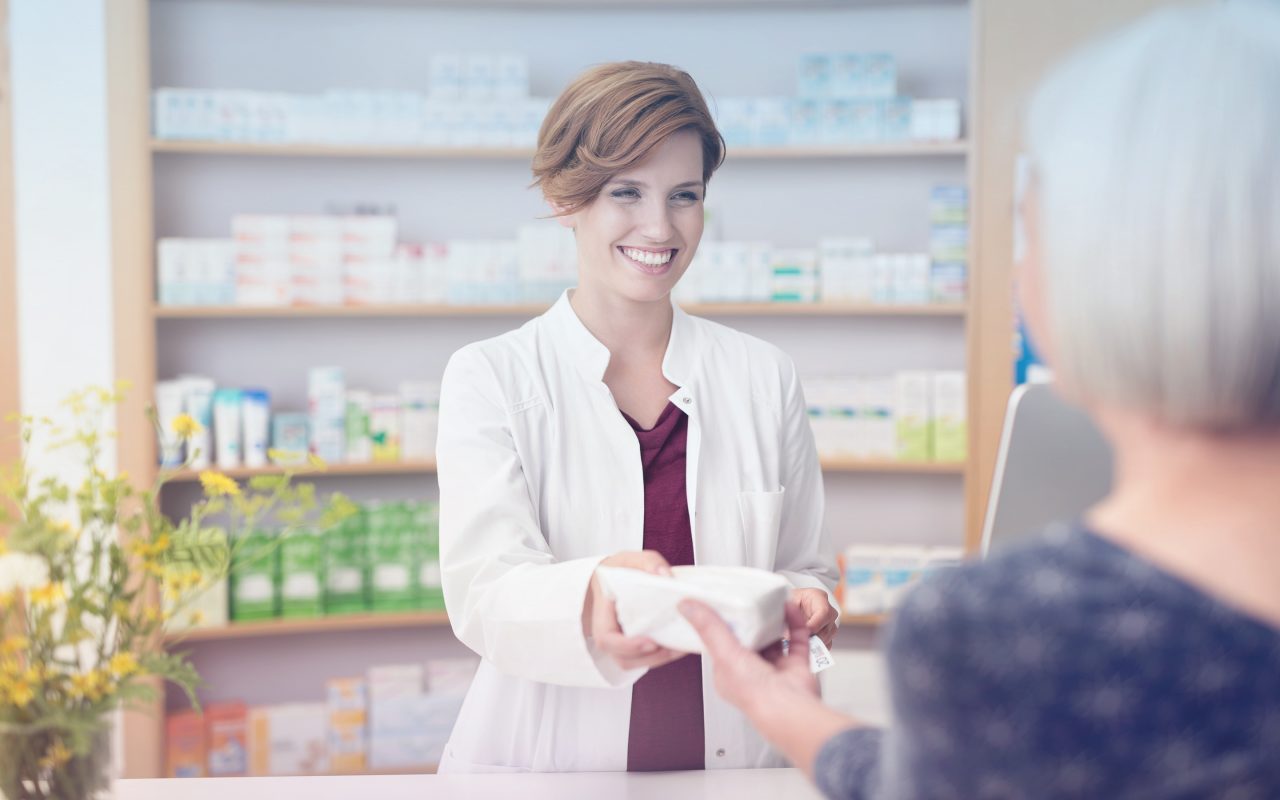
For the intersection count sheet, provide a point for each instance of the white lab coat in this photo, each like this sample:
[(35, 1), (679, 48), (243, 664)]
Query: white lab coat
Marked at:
[(540, 479)]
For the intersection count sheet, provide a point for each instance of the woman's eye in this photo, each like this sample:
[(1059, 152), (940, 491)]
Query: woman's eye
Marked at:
[(626, 194), (687, 197)]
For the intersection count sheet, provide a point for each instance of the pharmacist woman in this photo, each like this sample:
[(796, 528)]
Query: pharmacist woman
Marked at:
[(617, 430)]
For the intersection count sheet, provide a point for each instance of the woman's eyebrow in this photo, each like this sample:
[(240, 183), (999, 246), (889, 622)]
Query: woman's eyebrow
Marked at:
[(643, 185)]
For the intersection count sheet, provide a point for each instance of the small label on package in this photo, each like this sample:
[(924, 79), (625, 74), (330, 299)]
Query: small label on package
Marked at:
[(819, 656)]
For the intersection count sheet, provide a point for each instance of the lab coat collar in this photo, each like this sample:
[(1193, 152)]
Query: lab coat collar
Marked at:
[(591, 357)]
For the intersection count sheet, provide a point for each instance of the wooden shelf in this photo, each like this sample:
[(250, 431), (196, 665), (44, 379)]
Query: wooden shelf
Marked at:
[(309, 473), (829, 464), (841, 464), (582, 5), (868, 150), (863, 620), (330, 624), (530, 310)]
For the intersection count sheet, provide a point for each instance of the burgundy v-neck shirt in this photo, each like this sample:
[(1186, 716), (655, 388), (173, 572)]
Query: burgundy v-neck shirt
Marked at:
[(667, 730)]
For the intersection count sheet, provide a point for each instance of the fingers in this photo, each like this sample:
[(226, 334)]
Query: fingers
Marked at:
[(828, 634), (634, 652), (798, 632), (652, 561), (644, 560), (660, 658), (604, 618)]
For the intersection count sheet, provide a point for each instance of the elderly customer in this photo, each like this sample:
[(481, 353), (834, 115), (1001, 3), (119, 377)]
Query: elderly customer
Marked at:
[(1136, 651)]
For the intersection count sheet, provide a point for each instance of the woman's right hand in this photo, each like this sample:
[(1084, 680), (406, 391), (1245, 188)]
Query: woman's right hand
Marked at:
[(600, 618)]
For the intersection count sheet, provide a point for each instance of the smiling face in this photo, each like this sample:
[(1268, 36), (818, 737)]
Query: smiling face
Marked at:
[(636, 239)]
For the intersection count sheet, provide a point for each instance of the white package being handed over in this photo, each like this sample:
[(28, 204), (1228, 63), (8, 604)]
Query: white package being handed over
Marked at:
[(751, 601)]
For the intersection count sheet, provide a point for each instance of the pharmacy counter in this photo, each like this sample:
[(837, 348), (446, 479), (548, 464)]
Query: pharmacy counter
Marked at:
[(740, 784)]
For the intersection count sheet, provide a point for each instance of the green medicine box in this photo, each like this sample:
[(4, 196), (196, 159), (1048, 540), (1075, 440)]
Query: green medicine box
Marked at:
[(346, 567), (301, 574), (391, 557), (426, 525), (254, 578)]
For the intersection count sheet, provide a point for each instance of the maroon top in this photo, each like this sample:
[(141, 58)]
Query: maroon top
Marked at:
[(666, 704)]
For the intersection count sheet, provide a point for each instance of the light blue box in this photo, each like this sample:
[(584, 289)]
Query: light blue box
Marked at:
[(815, 76)]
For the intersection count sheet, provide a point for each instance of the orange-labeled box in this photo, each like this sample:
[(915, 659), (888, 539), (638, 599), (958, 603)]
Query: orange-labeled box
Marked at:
[(185, 750), (227, 733)]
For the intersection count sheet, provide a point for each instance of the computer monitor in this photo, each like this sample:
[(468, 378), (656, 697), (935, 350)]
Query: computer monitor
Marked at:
[(1053, 464)]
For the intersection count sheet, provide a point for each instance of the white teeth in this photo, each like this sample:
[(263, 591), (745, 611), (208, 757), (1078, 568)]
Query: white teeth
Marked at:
[(645, 257)]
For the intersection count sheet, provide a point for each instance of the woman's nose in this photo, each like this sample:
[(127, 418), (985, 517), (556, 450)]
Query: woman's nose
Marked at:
[(656, 225)]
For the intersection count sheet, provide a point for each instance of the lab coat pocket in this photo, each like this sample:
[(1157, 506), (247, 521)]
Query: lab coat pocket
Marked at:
[(761, 519)]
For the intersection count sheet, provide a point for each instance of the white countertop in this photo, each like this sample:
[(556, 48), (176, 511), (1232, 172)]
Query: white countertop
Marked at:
[(738, 784)]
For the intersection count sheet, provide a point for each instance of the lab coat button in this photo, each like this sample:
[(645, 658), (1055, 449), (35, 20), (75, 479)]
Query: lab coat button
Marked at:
[(720, 753), (687, 400)]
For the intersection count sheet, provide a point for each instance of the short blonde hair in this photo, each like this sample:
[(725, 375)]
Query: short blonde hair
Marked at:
[(1155, 160), (609, 119)]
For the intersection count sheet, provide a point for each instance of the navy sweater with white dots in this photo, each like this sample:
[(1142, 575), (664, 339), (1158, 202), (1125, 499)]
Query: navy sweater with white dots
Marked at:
[(1068, 667)]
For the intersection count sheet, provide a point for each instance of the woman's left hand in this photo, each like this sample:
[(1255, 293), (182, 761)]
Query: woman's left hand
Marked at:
[(819, 615)]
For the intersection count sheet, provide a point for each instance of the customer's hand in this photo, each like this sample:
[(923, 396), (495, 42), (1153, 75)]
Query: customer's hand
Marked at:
[(755, 683), (600, 618), (819, 615)]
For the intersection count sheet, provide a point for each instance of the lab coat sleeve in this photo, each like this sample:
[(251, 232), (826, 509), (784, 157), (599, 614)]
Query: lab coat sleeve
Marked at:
[(804, 555), (509, 599)]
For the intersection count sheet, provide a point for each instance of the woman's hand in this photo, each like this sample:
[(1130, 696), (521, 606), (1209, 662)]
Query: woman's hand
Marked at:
[(600, 618), (749, 680), (778, 693), (819, 615)]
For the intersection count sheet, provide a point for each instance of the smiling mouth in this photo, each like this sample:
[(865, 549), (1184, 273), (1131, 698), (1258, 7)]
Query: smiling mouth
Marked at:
[(648, 259)]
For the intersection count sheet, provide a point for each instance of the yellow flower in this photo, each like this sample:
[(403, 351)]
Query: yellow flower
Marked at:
[(316, 461), (82, 684), (48, 594), (120, 608), (161, 543), (123, 665), (216, 484), (196, 617), (185, 426), (13, 644), (56, 755), (21, 693)]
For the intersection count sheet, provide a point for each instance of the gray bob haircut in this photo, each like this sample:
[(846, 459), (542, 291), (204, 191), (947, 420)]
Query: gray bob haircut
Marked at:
[(1156, 157)]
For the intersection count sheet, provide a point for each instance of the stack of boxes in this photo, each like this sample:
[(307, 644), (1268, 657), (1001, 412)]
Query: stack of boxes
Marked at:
[(396, 717), (386, 557), (875, 578), (475, 99), (843, 98), (196, 272), (908, 416), (949, 243)]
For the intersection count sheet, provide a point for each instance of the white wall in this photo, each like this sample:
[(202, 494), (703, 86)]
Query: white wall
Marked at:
[(61, 215), (62, 219)]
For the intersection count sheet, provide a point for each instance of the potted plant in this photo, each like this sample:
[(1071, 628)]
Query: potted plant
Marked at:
[(92, 576)]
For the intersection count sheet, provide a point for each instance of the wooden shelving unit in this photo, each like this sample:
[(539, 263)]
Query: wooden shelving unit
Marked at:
[(868, 150), (829, 464), (530, 310), (837, 464), (293, 627), (310, 473), (863, 620), (136, 156)]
